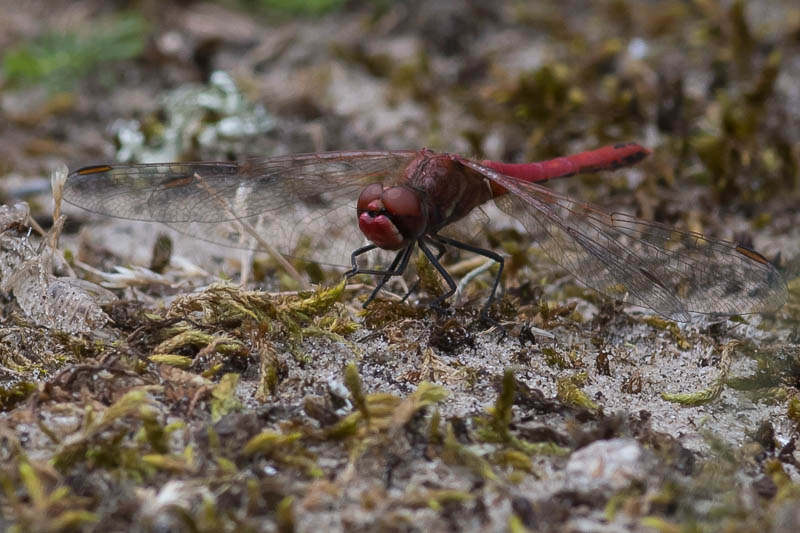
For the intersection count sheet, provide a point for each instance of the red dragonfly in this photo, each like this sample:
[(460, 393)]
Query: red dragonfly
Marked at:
[(305, 204)]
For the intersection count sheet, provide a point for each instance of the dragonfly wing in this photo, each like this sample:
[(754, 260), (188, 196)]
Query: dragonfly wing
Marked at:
[(468, 228), (297, 233), (301, 205), (670, 271)]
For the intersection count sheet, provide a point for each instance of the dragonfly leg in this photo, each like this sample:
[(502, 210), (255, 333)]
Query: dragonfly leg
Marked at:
[(393, 269), (440, 251), (397, 268), (486, 253), (447, 277), (355, 270)]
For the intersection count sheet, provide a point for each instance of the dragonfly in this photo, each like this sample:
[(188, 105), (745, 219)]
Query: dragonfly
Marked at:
[(305, 205)]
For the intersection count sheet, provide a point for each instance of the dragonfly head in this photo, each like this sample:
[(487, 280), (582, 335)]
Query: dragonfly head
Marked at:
[(391, 217)]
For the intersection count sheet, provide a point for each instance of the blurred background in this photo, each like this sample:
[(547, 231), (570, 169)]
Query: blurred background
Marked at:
[(711, 86)]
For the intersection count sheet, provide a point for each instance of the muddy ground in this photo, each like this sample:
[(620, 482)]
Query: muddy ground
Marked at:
[(204, 388)]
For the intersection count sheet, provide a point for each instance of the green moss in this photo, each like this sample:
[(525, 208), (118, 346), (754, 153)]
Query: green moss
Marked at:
[(555, 359), (672, 328), (178, 361), (59, 60), (268, 442), (352, 381), (456, 454), (287, 8), (793, 410), (496, 429), (568, 390), (14, 394), (223, 397)]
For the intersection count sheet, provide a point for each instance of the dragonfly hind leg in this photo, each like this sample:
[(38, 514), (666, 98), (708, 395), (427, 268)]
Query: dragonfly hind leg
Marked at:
[(440, 251), (486, 253), (436, 304)]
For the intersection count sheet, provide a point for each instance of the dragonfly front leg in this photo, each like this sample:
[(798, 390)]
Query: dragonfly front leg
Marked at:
[(397, 268), (355, 270)]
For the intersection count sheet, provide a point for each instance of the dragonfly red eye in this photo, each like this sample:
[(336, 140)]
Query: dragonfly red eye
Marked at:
[(405, 209), (401, 201), (368, 196)]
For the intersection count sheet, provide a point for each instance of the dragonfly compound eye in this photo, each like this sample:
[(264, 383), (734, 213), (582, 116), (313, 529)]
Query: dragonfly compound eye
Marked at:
[(370, 198), (401, 201), (405, 209)]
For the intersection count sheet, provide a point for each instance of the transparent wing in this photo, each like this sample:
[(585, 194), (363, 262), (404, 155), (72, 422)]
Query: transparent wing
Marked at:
[(670, 271), (302, 205), (468, 228)]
